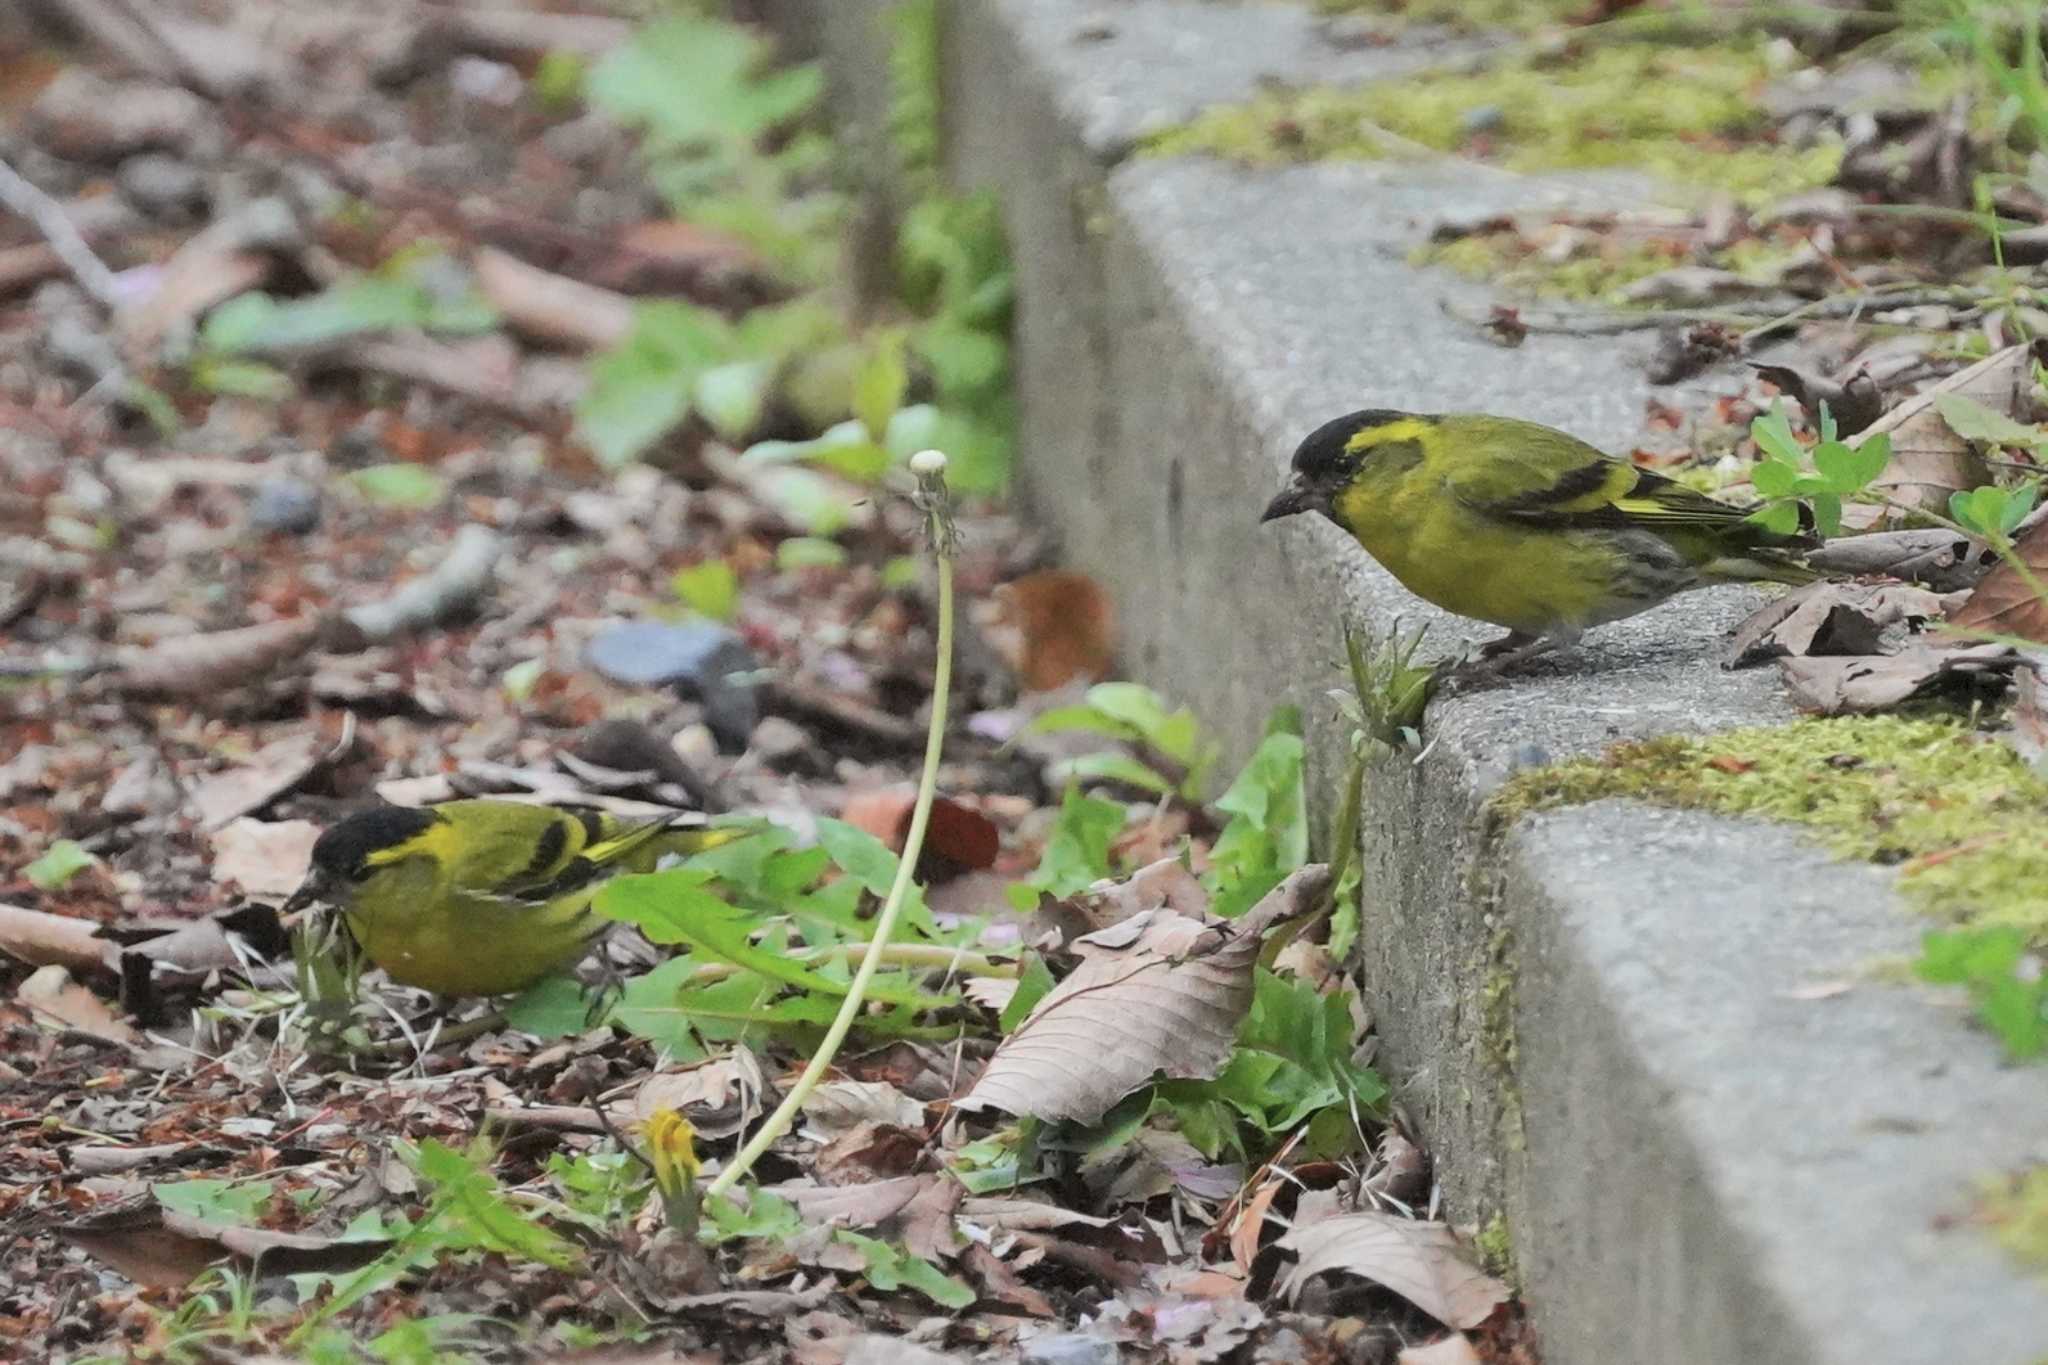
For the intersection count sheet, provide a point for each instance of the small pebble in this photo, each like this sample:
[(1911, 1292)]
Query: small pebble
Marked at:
[(1485, 118), (286, 505), (701, 660), (163, 186), (1069, 1348)]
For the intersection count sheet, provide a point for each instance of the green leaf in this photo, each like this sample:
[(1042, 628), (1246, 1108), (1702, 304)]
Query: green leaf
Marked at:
[(805, 498), (691, 80), (1781, 518), (241, 378), (60, 862), (964, 361), (1112, 767), (1972, 421), (1827, 514), (1034, 983), (869, 862), (733, 397), (1077, 851), (710, 589), (1267, 836), (809, 552), (641, 388), (1773, 478), (880, 384), (237, 1203), (2018, 506), (889, 1268), (1843, 468), (1980, 511), (647, 1009), (410, 486), (765, 1215), (553, 1007), (471, 1196), (1772, 433), (520, 679)]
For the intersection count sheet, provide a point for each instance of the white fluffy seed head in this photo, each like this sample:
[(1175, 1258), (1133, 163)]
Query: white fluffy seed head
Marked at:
[(928, 464)]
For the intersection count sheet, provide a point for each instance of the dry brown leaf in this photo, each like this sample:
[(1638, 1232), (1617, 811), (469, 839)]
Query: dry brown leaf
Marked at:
[(1832, 686), (1055, 627), (551, 308), (1251, 1222), (991, 992), (1454, 1350), (1002, 1284), (159, 1248), (1011, 1214), (1419, 1261), (51, 993), (264, 858), (197, 665), (1163, 994), (453, 586), (718, 1097), (2004, 602), (1166, 883), (1929, 461), (838, 1106), (276, 768), (1831, 618)]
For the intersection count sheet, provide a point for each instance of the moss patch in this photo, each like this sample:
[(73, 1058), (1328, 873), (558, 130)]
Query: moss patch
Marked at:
[(1965, 821), (1468, 16), (2016, 1211), (1496, 1244), (1685, 114), (1589, 264)]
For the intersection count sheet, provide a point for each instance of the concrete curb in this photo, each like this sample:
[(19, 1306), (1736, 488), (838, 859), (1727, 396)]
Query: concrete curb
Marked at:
[(1595, 1015)]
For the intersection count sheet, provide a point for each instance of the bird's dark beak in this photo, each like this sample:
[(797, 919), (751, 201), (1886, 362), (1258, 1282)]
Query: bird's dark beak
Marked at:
[(308, 892), (1296, 497)]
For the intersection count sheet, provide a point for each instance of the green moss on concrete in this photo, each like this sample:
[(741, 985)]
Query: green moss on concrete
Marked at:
[(2017, 1212), (1496, 1245), (1684, 114), (1964, 821), (1595, 265)]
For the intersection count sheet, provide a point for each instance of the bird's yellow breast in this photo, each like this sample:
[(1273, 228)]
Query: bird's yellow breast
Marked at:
[(1470, 564)]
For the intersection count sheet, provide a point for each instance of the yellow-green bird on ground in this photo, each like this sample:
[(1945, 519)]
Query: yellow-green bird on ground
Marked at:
[(1507, 521), (482, 897)]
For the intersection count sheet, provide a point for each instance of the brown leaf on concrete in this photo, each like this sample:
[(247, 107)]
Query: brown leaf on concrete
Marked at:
[(1419, 1261), (2004, 602), (1929, 461), (1831, 618), (1163, 995), (1832, 686), (197, 665)]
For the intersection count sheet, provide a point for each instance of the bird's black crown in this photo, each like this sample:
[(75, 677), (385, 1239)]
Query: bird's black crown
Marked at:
[(1322, 455), (342, 849)]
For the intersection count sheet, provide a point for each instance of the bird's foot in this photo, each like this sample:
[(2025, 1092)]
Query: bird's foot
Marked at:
[(1504, 655)]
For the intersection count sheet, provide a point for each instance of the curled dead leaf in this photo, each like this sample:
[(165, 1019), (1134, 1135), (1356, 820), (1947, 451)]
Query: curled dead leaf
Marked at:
[(163, 1249), (2004, 602), (1832, 686), (1832, 618), (1158, 993), (1419, 1261), (1929, 460)]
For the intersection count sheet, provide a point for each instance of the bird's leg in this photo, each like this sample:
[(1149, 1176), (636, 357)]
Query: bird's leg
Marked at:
[(1508, 653), (1509, 643)]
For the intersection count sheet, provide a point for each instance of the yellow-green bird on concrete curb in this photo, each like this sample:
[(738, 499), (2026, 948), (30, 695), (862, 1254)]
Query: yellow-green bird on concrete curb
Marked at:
[(482, 897), (1507, 521)]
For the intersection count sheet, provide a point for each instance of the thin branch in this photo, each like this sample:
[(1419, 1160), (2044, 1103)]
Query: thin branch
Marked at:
[(24, 199)]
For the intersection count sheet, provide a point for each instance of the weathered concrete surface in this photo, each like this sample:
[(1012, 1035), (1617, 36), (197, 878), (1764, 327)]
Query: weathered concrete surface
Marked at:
[(1587, 1015)]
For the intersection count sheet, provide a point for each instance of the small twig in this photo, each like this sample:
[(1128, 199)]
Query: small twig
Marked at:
[(23, 198)]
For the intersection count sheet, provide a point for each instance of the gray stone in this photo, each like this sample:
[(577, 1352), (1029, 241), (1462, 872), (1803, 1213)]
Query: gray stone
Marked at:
[(699, 659), (285, 504), (1069, 1348), (1595, 1017), (163, 186)]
